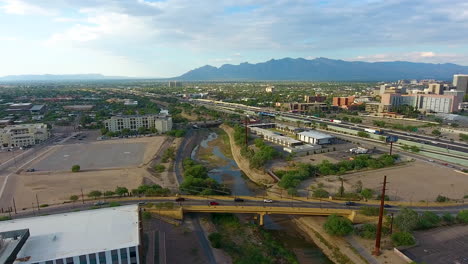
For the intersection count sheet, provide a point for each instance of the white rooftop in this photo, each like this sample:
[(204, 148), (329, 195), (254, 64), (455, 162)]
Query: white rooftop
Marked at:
[(77, 233), (315, 134)]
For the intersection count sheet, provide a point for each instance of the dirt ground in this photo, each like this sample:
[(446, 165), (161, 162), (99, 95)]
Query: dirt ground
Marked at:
[(415, 181), (57, 187)]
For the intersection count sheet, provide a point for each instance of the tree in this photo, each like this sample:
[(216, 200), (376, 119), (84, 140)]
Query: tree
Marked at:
[(142, 130), (95, 194), (121, 191), (215, 239), (442, 199), (462, 216), (108, 193), (75, 168), (367, 193), (338, 226), (367, 231), (407, 220), (74, 198), (436, 132), (358, 186), (403, 239), (159, 168)]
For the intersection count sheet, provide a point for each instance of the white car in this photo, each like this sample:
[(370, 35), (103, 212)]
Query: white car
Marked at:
[(267, 201)]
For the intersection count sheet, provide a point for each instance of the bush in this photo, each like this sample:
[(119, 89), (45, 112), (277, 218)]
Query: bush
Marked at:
[(320, 193), (403, 239), (95, 194), (370, 210), (428, 220), (159, 168), (367, 231), (363, 134), (146, 215), (338, 226), (448, 218), (407, 220), (215, 239), (462, 216), (5, 218), (442, 199), (74, 198), (75, 168), (114, 204), (43, 205)]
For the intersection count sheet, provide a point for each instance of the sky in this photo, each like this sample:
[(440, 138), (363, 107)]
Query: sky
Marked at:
[(166, 38)]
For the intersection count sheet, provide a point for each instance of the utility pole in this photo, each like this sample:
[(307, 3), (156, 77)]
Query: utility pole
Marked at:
[(246, 131), (391, 147), (37, 200), (82, 195), (391, 224), (376, 251), (14, 205)]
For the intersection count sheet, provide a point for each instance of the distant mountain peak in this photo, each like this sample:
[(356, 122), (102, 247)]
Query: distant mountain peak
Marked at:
[(325, 69)]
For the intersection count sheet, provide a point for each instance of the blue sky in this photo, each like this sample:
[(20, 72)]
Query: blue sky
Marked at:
[(166, 38)]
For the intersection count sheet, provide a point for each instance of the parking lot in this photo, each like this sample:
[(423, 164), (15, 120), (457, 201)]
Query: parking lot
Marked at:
[(92, 156), (441, 245)]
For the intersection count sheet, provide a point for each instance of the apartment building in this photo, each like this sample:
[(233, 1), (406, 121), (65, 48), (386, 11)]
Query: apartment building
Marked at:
[(446, 103), (162, 123), (23, 135)]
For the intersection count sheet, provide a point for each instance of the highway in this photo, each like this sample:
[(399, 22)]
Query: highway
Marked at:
[(428, 140)]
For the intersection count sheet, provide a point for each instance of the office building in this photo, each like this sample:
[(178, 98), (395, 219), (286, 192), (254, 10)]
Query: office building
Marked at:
[(162, 123), (461, 82), (435, 88), (174, 84), (109, 235), (302, 107), (270, 89), (343, 101), (38, 109), (23, 135), (446, 103), (314, 99), (315, 137)]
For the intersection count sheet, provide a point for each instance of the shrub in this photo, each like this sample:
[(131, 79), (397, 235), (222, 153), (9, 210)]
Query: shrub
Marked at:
[(43, 205), (146, 215), (370, 210), (159, 168), (95, 194), (442, 199), (320, 193), (338, 226), (428, 220), (448, 218), (367, 231), (5, 218), (215, 239), (403, 239), (75, 168), (74, 198), (407, 220), (114, 204), (462, 216)]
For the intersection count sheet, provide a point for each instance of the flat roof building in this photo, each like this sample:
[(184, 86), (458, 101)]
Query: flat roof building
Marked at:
[(315, 137), (162, 123), (461, 82), (23, 135), (109, 235)]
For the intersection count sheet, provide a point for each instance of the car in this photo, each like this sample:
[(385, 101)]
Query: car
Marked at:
[(238, 200), (31, 170), (387, 206), (213, 203), (180, 199), (350, 203), (100, 203), (142, 203), (267, 201)]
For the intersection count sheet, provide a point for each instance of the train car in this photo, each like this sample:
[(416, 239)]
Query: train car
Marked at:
[(377, 131)]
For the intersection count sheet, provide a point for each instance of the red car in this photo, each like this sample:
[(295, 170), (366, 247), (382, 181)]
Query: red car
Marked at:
[(214, 203)]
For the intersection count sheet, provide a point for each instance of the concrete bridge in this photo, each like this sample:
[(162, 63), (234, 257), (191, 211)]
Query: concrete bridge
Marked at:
[(261, 211)]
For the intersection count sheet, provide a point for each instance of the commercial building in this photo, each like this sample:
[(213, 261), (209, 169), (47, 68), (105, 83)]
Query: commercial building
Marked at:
[(270, 89), (302, 107), (162, 123), (315, 137), (109, 235), (174, 84), (461, 82), (314, 99), (130, 102), (275, 137), (20, 107), (435, 88), (376, 107), (78, 107), (37, 109), (446, 103), (343, 101), (23, 135)]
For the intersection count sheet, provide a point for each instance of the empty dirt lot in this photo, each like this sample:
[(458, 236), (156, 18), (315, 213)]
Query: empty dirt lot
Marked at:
[(106, 165), (415, 181)]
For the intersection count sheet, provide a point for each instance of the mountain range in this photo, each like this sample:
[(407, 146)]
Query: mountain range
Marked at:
[(288, 69), (323, 69)]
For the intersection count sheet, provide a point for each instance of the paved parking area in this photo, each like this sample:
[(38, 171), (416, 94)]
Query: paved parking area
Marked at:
[(93, 156), (441, 245)]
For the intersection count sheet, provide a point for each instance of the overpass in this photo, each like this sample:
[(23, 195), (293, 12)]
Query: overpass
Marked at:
[(261, 211)]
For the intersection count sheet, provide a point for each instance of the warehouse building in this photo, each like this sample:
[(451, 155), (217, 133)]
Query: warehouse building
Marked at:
[(274, 137), (109, 235), (314, 137)]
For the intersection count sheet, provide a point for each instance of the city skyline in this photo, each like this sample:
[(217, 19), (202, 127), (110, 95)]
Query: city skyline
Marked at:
[(168, 38)]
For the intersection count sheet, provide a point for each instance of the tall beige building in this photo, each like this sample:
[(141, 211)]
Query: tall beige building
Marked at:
[(461, 82), (162, 123), (23, 135)]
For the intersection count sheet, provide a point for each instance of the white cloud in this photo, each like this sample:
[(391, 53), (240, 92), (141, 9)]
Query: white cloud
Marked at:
[(19, 7), (422, 56)]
